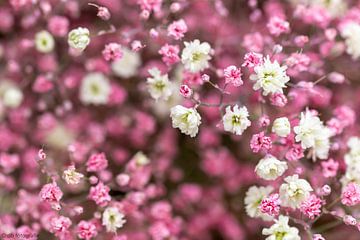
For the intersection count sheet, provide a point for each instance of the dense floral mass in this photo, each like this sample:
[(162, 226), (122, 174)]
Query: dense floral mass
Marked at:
[(180, 119)]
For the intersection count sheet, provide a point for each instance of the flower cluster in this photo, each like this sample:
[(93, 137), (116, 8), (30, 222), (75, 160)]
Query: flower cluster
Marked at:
[(180, 120)]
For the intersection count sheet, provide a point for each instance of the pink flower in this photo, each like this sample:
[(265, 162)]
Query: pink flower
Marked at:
[(329, 168), (351, 195), (103, 13), (9, 162), (278, 99), (260, 142), (112, 51), (271, 205), (311, 207), (170, 54), (318, 237), (100, 194), (264, 121), (177, 29), (86, 230), (58, 26), (136, 45), (159, 231), (232, 75), (277, 26), (349, 220), (252, 59), (185, 91), (97, 162), (301, 40), (60, 225), (295, 153), (52, 194), (42, 84)]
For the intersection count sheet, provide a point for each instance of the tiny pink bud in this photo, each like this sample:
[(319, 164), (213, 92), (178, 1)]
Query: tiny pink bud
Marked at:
[(185, 91), (136, 45), (104, 13), (349, 220), (325, 190), (93, 180), (42, 154), (205, 77)]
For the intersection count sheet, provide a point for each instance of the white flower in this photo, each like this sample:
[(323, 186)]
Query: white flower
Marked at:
[(128, 65), (12, 97), (71, 176), (351, 33), (352, 161), (281, 230), (270, 168), (113, 219), (281, 127), (270, 77), (253, 198), (79, 38), (44, 42), (159, 85), (336, 8), (312, 133), (236, 120), (141, 159), (95, 89), (195, 56), (186, 119), (294, 191)]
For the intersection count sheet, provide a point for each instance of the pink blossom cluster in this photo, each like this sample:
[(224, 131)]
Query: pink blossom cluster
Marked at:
[(179, 120)]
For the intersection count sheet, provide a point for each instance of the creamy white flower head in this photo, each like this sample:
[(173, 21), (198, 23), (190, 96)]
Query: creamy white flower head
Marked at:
[(281, 230), (322, 144), (351, 33), (44, 42), (195, 56), (336, 8), (159, 85), (236, 120), (79, 38), (95, 89), (281, 127), (309, 128), (186, 119), (113, 219), (253, 198), (270, 77), (141, 159), (270, 168), (294, 191), (12, 97), (71, 176), (127, 65), (352, 160)]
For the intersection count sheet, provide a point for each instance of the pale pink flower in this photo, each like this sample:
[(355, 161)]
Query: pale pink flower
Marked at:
[(270, 205), (232, 75), (252, 59), (104, 13), (185, 91), (100, 194), (329, 168), (278, 99), (52, 194), (350, 195), (294, 153), (177, 29), (170, 54), (311, 207), (112, 52), (86, 230), (260, 142), (60, 225), (97, 162), (58, 26), (277, 26), (349, 220)]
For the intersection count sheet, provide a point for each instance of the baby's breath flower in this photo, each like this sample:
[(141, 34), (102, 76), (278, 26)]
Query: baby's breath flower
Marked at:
[(44, 42), (159, 85), (186, 119), (79, 38), (236, 120), (113, 219), (195, 56), (95, 89), (71, 176)]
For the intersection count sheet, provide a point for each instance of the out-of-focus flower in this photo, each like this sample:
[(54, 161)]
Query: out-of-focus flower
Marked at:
[(236, 120), (128, 65), (44, 42), (177, 29), (159, 86), (112, 51), (281, 126), (186, 119), (195, 56), (79, 38), (12, 97), (95, 89)]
